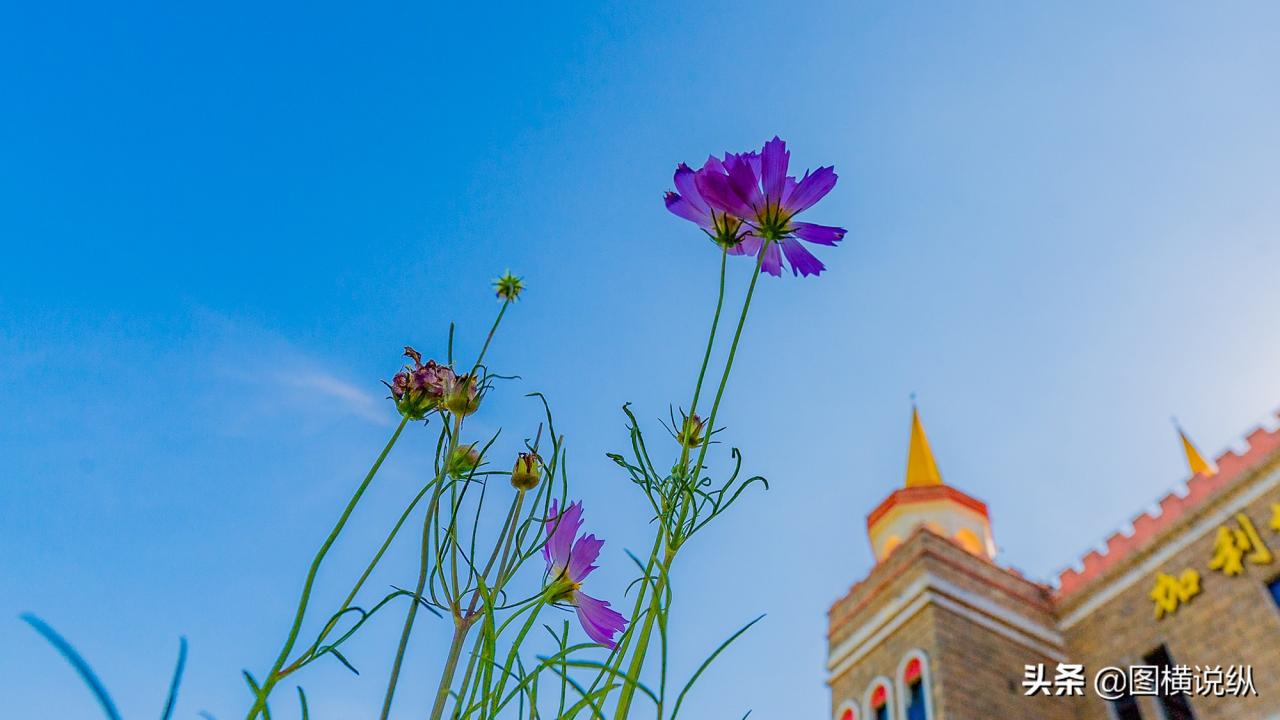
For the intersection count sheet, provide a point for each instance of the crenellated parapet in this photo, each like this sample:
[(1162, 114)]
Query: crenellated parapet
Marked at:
[(1146, 527)]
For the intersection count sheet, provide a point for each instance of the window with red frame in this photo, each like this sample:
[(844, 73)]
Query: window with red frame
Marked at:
[(880, 703), (913, 679)]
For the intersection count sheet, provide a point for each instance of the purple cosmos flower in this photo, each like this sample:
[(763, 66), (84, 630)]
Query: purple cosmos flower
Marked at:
[(758, 190), (724, 229), (569, 559)]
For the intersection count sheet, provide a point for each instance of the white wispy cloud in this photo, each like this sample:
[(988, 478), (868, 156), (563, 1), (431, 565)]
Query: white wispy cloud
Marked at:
[(346, 396)]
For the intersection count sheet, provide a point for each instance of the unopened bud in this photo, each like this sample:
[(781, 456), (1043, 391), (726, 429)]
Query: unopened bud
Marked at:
[(462, 460), (691, 432), (528, 471), (462, 396)]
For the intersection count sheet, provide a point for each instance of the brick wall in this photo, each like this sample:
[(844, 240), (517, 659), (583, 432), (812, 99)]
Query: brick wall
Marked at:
[(1233, 621)]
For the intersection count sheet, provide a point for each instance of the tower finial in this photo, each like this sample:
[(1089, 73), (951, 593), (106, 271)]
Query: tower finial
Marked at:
[(1195, 461), (922, 471)]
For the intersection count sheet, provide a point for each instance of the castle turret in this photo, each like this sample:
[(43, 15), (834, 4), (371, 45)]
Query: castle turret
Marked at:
[(926, 501)]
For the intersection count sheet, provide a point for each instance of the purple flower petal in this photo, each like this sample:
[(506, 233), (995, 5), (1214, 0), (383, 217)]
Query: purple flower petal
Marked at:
[(773, 169), (772, 263), (789, 185), (561, 530), (812, 188), (585, 552), (745, 183), (717, 191), (820, 234), (801, 260), (688, 189), (599, 620), (681, 206)]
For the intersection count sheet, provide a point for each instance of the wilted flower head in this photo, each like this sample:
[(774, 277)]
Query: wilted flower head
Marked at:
[(508, 286), (527, 472), (462, 460), (418, 389), (724, 229), (758, 190), (691, 431), (569, 561), (462, 395)]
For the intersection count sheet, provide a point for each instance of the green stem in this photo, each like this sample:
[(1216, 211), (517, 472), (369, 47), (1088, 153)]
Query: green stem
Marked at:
[(677, 532), (724, 380), (450, 666), (711, 338), (422, 576), (511, 655), (395, 530), (273, 676), (489, 338)]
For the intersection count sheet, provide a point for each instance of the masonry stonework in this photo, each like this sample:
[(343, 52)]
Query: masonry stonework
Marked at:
[(980, 624)]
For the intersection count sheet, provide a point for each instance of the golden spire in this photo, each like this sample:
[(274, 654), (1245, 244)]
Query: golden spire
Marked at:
[(1195, 461), (922, 471)]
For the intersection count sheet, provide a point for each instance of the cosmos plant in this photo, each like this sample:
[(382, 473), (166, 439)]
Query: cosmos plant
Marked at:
[(492, 574)]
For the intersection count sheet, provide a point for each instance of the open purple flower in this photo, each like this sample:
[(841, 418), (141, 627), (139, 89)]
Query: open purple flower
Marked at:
[(724, 229), (569, 561), (758, 190)]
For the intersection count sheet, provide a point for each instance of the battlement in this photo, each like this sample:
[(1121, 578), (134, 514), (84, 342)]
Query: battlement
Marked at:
[(1231, 467)]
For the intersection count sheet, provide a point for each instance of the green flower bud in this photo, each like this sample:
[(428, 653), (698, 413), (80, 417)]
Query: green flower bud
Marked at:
[(528, 471), (463, 396), (462, 461), (691, 432)]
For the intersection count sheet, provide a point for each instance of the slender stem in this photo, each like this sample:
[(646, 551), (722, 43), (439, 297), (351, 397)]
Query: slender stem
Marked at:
[(489, 338), (503, 546), (641, 594), (711, 337), (466, 677), (511, 655), (303, 659), (677, 532), (450, 666), (273, 676), (422, 575), (724, 378)]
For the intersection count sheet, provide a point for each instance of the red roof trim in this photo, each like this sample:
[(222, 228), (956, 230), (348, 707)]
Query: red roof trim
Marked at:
[(930, 493)]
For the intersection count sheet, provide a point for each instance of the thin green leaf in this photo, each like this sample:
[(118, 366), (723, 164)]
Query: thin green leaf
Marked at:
[(177, 680), (77, 662), (253, 685), (342, 659), (705, 663)]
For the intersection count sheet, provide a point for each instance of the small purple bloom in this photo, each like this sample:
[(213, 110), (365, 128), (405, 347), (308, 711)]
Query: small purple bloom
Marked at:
[(724, 228), (757, 189), (569, 561)]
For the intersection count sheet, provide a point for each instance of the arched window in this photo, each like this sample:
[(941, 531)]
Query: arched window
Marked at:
[(913, 676), (879, 700), (847, 713)]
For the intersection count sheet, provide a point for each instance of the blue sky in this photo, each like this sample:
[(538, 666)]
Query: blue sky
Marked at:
[(221, 223)]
